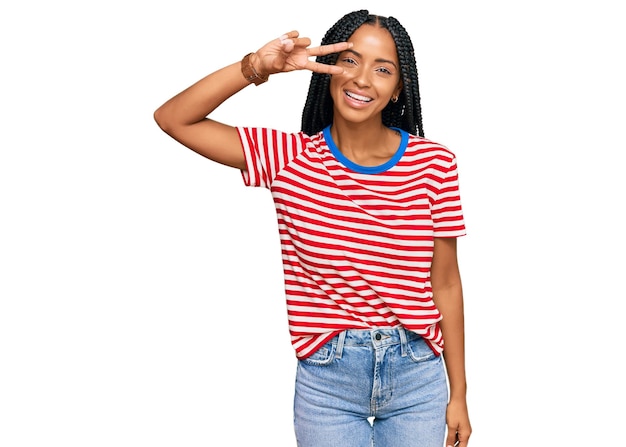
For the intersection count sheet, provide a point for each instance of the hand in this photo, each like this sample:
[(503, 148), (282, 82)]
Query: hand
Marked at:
[(459, 428), (290, 52)]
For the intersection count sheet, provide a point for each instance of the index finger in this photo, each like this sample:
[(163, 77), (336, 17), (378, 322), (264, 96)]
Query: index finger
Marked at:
[(323, 50)]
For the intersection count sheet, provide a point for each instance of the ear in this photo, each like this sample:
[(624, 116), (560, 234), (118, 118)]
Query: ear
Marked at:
[(398, 89)]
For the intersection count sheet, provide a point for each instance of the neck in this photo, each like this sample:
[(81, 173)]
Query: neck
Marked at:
[(365, 144)]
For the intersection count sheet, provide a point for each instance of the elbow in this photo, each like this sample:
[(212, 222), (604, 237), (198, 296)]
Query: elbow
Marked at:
[(160, 117)]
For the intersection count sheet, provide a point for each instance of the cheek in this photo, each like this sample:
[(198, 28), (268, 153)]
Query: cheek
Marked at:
[(392, 88), (335, 86)]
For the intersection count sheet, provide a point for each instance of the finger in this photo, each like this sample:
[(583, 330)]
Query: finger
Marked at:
[(451, 440), (463, 441), (323, 50), (290, 35), (460, 438), (301, 42), (323, 68)]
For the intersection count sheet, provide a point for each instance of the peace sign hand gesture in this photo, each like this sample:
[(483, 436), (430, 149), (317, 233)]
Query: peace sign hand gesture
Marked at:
[(290, 52)]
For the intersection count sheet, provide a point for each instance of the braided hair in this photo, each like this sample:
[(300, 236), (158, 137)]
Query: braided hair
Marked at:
[(405, 114)]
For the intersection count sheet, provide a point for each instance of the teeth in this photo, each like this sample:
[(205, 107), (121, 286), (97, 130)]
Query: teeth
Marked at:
[(358, 97)]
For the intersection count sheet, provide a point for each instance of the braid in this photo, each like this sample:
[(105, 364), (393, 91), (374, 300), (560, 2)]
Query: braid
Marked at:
[(405, 114)]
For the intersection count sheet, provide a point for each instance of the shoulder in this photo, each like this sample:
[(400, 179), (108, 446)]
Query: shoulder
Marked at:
[(270, 136), (426, 148)]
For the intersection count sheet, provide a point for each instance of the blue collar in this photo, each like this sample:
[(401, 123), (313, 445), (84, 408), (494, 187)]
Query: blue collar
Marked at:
[(404, 135)]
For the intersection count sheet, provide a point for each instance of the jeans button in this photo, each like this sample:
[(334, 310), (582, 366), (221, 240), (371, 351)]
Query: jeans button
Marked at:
[(378, 337)]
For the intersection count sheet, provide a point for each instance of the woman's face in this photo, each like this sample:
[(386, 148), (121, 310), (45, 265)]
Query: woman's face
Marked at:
[(371, 76)]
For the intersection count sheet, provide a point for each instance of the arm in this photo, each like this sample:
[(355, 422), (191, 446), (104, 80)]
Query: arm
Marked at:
[(185, 116), (448, 297)]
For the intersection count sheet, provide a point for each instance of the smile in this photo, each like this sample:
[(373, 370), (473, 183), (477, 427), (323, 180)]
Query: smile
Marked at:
[(358, 97)]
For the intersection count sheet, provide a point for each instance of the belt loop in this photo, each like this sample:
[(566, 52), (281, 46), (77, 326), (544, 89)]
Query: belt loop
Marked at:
[(340, 341), (403, 341)]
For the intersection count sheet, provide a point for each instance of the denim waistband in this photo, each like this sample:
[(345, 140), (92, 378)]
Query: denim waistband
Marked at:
[(375, 337)]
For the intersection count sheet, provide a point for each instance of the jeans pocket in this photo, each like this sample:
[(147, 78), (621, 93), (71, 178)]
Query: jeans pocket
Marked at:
[(324, 355), (418, 350)]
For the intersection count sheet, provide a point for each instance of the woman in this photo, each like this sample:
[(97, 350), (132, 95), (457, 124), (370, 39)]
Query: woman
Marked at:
[(368, 214)]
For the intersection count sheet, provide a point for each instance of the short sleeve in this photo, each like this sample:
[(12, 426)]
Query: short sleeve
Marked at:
[(446, 210), (267, 152)]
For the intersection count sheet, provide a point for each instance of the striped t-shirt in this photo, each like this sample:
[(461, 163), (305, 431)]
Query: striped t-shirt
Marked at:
[(357, 241)]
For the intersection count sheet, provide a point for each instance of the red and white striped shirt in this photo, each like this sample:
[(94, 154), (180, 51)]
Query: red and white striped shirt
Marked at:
[(357, 241)]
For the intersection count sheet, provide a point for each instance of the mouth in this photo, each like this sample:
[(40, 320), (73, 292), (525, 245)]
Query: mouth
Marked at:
[(356, 97)]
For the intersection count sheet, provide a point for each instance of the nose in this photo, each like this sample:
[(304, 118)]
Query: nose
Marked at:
[(361, 77)]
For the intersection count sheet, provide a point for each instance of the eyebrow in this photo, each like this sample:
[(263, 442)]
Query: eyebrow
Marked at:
[(357, 54)]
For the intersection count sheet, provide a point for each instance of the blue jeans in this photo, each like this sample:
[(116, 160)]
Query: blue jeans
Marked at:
[(387, 376)]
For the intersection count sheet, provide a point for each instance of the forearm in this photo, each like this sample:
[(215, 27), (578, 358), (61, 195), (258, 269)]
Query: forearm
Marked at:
[(450, 304), (196, 102)]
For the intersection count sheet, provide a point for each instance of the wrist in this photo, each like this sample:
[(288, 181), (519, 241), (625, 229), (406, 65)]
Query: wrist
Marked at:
[(250, 72), (457, 393)]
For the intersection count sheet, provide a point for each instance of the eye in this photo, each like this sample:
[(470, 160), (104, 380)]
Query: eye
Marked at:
[(384, 70), (348, 60)]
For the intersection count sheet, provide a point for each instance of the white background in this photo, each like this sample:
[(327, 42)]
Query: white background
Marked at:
[(140, 284)]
